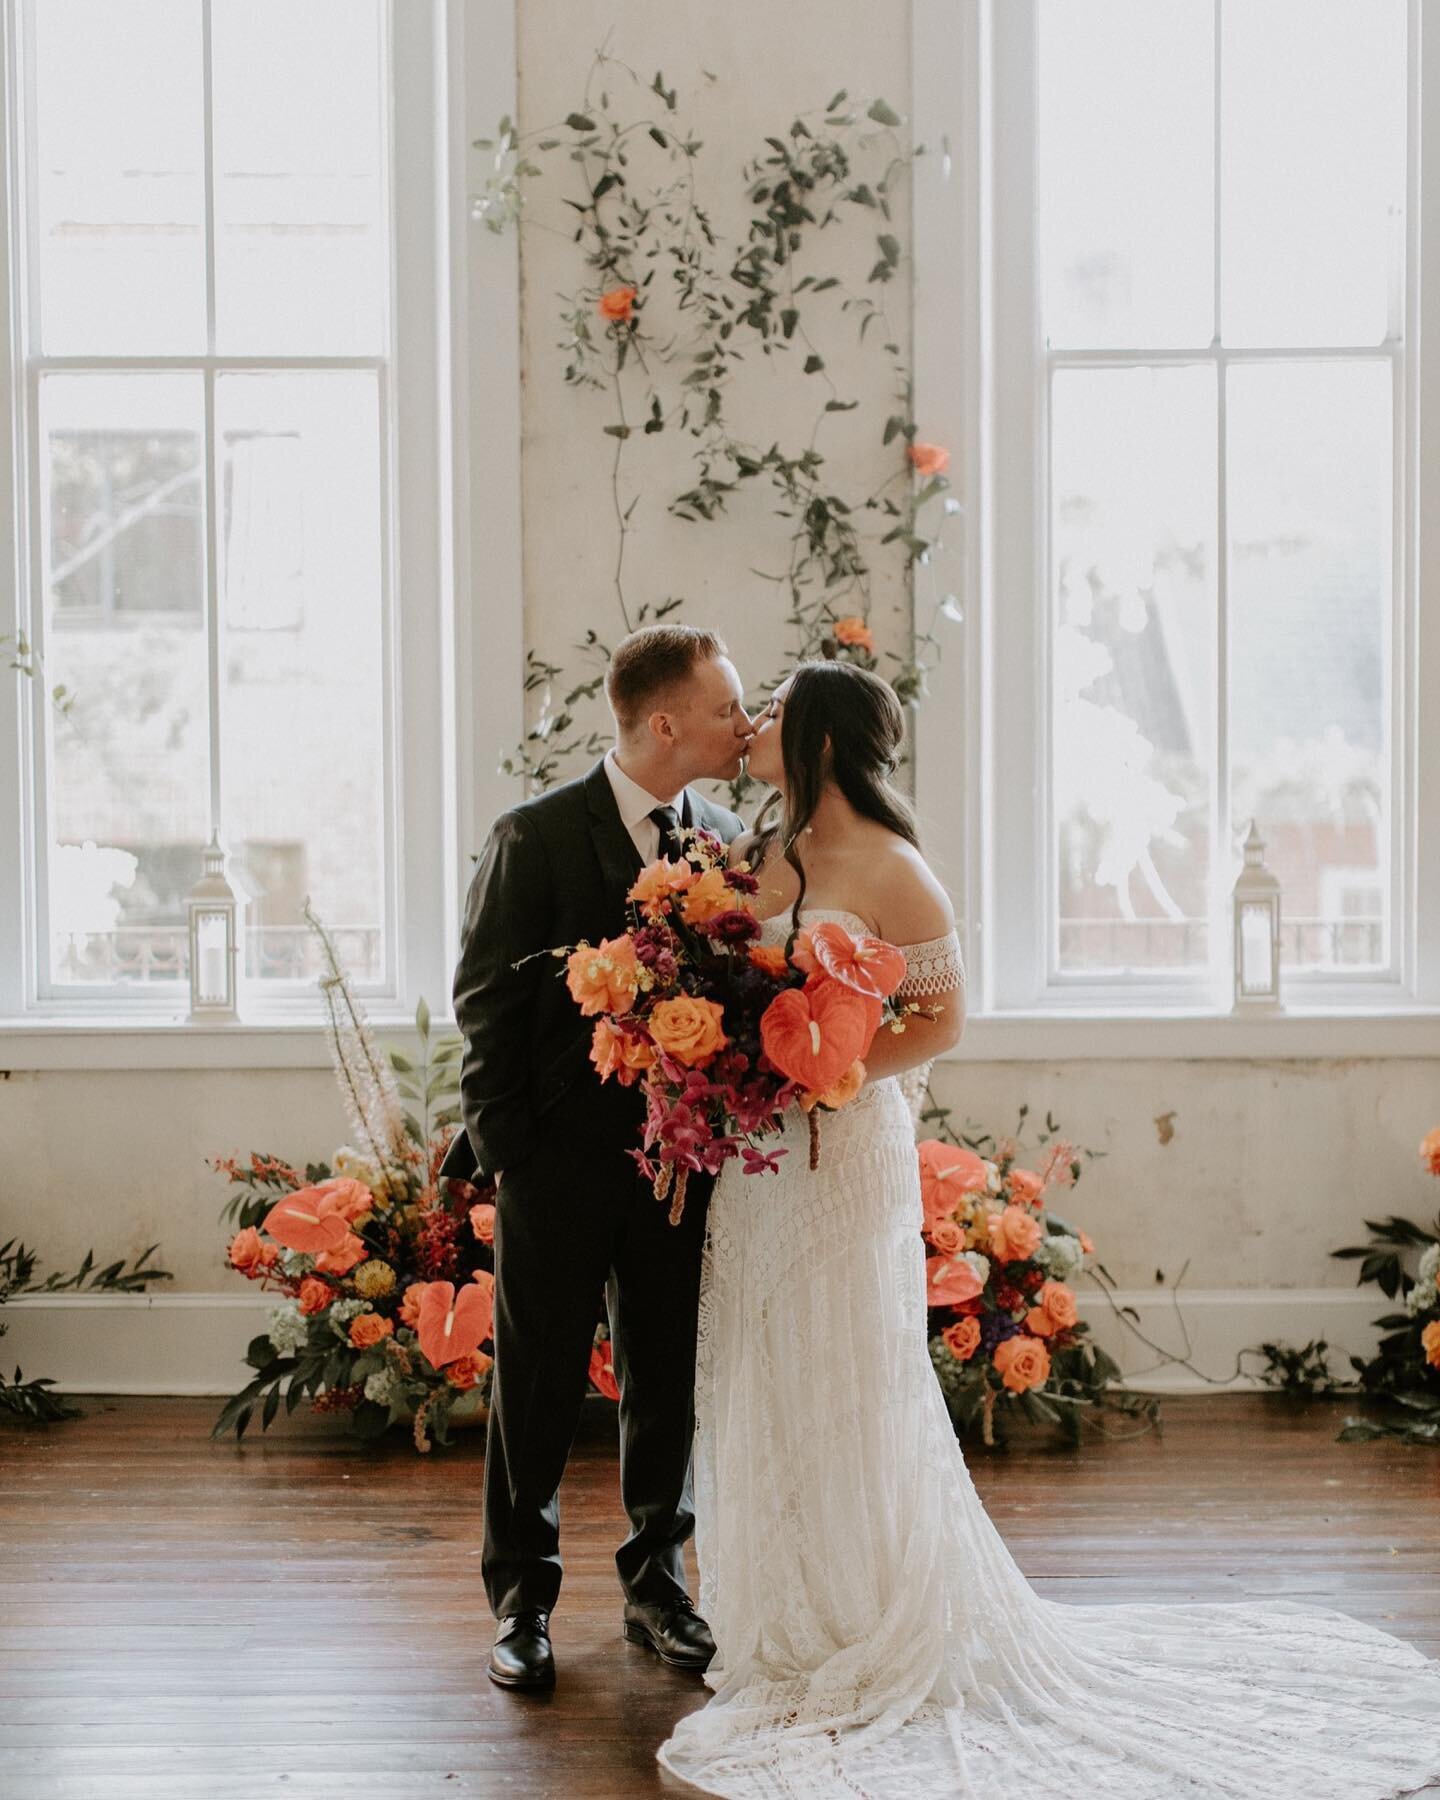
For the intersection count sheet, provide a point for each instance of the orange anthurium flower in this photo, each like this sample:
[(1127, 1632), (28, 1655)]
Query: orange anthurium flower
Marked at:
[(301, 1221), (867, 964), (950, 1283), (947, 1172), (813, 1034), (453, 1325), (602, 1371)]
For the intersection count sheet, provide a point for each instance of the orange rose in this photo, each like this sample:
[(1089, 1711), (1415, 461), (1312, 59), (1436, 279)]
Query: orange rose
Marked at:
[(1054, 1310), (1430, 1150), (343, 1257), (962, 1339), (604, 980), (467, 1370), (706, 896), (658, 883), (841, 1093), (482, 1221), (1430, 1342), (1025, 1186), (1023, 1362), (928, 459), (947, 1237), (1015, 1234), (769, 957), (855, 632), (689, 1029), (249, 1252), (618, 1053), (351, 1200), (367, 1329), (617, 305), (410, 1305), (315, 1295)]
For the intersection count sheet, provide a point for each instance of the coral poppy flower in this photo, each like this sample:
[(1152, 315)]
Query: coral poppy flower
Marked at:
[(604, 979), (929, 459), (453, 1325), (949, 1282), (814, 1033), (867, 964), (602, 1371), (948, 1173), (299, 1222), (854, 633)]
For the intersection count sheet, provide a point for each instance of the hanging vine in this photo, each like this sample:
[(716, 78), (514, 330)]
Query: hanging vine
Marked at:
[(661, 319)]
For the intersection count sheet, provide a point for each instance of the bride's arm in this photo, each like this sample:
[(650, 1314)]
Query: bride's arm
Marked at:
[(914, 911)]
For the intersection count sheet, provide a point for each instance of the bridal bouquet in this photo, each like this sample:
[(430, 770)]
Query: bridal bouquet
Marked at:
[(723, 1033), (1004, 1327)]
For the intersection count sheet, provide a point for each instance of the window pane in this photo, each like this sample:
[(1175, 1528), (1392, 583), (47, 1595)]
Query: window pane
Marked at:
[(1126, 171), (128, 769), (1133, 528), (303, 726), (1310, 585), (120, 176), (1313, 159), (299, 155)]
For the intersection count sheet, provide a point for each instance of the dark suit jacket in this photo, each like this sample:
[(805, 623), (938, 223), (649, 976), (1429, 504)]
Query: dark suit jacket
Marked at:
[(554, 869)]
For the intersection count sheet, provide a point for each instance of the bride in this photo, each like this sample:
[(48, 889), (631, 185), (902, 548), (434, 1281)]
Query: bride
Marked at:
[(874, 1636)]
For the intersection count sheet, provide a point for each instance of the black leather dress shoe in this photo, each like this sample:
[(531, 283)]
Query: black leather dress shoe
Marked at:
[(522, 1657), (673, 1630)]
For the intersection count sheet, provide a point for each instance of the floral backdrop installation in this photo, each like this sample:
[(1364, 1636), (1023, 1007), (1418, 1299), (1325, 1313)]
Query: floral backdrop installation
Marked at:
[(664, 313)]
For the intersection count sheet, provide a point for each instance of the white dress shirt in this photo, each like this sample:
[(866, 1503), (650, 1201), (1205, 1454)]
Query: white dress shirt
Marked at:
[(636, 803)]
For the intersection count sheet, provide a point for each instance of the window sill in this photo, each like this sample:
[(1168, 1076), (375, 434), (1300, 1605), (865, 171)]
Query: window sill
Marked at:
[(1296, 1033), (162, 1042)]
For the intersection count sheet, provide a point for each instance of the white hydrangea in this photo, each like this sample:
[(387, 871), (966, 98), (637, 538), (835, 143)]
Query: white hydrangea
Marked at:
[(1430, 1265), (288, 1329), (383, 1386), (980, 1264), (296, 1262), (1060, 1257), (1424, 1294)]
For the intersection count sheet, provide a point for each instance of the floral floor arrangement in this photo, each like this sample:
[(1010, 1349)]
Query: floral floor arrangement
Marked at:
[(382, 1273)]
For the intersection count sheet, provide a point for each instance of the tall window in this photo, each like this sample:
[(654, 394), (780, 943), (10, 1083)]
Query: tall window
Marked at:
[(203, 246), (1211, 289)]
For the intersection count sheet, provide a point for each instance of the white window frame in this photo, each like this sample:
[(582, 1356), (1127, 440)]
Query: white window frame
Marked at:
[(453, 684), (983, 749)]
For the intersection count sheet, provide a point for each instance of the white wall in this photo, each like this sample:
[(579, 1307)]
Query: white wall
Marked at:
[(1271, 1163)]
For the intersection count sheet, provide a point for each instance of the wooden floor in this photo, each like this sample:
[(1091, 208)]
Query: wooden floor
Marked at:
[(299, 1615)]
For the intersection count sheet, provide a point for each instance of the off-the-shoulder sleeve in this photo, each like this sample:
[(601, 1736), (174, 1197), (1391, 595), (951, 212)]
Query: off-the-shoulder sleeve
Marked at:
[(934, 967)]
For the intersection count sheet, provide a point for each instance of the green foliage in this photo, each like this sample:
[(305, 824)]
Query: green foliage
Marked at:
[(1303, 1371), (637, 221), (1400, 1378), (32, 1402)]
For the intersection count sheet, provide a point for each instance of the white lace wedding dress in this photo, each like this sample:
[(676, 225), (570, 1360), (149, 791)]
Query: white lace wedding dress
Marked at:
[(875, 1637)]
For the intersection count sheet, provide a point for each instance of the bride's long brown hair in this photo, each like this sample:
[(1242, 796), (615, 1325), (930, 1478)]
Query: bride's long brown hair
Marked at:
[(865, 725)]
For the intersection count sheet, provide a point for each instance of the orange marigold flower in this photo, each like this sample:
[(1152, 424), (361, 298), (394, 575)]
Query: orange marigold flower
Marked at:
[(617, 305), (855, 633), (367, 1329), (929, 459)]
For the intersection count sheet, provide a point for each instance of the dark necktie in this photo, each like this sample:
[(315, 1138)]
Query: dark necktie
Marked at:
[(668, 821)]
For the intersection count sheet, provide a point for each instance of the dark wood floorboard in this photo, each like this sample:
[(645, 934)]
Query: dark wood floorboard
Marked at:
[(300, 1615)]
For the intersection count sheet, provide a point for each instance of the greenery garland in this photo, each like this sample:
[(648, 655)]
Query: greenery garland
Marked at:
[(662, 316)]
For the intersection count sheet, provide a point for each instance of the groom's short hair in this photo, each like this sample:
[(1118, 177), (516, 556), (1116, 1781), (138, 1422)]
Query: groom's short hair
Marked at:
[(649, 662)]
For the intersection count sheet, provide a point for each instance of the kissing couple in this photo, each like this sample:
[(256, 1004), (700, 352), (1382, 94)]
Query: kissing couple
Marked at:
[(862, 1624)]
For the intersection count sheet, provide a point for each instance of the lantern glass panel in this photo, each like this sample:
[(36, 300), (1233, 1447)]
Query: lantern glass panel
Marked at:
[(212, 986), (1257, 967)]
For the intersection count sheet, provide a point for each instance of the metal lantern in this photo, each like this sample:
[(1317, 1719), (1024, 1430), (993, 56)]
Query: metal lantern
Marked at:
[(1257, 930), (214, 940)]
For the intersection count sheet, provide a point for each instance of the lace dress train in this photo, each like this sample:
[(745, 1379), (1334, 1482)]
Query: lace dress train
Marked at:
[(875, 1638)]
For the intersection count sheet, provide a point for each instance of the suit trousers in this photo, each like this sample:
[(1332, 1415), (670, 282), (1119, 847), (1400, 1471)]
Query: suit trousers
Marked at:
[(576, 1220)]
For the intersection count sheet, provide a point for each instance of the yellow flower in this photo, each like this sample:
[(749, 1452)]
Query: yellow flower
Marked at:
[(374, 1279)]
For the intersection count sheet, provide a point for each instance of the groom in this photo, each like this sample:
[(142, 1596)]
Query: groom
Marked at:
[(574, 1217)]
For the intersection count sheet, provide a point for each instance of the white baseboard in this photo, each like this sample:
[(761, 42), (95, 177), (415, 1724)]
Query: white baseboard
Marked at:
[(195, 1343)]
